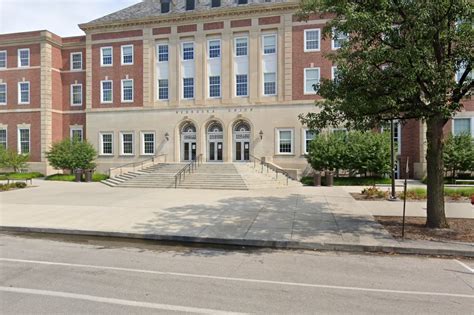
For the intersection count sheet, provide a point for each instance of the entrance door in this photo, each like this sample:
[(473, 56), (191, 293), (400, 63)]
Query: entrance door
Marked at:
[(189, 151), (188, 142), (242, 150), (215, 142), (215, 151), (242, 142)]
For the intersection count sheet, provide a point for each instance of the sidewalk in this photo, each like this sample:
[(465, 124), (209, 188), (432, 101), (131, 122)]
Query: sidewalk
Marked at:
[(326, 218)]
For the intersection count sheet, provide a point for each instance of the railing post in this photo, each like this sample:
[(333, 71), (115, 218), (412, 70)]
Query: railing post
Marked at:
[(176, 182)]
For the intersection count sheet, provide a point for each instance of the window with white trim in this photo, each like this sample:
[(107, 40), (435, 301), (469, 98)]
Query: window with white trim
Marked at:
[(285, 141), (3, 94), (311, 80), (3, 59), (309, 136), (106, 143), (3, 138), (106, 91), (338, 39), (269, 44), (127, 90), (188, 88), (76, 94), (463, 126), (214, 48), (241, 46), (312, 40), (148, 143), (23, 140), (76, 61), (334, 74), (106, 56), (23, 92), (241, 85), (76, 132), (163, 52), (215, 86), (190, 5), (188, 51), (24, 57), (163, 92), (269, 83), (126, 143), (127, 54)]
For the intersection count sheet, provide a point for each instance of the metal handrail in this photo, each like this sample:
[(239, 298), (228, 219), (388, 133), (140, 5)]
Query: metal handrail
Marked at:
[(190, 167), (271, 167), (135, 164)]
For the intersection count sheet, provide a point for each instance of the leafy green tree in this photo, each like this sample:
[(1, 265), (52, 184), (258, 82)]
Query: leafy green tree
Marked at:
[(399, 62), (327, 152), (71, 154), (458, 154), (12, 159), (368, 153)]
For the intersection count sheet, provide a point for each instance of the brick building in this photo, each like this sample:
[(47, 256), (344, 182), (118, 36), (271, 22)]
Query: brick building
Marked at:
[(222, 79)]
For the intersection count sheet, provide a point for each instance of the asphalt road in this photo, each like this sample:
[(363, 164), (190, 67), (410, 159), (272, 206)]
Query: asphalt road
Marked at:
[(41, 275)]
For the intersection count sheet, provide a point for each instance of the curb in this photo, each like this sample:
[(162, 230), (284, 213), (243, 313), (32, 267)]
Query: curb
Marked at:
[(342, 247)]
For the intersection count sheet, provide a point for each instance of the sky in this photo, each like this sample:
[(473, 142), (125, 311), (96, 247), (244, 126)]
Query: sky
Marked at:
[(58, 16)]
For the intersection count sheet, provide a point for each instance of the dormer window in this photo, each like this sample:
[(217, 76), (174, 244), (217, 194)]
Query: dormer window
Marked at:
[(242, 1), (190, 4), (165, 6), (215, 3)]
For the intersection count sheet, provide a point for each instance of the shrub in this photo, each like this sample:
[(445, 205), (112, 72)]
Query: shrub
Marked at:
[(374, 192), (71, 154), (12, 159), (5, 187), (458, 154)]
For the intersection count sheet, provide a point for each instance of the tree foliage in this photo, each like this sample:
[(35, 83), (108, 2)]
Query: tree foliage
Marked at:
[(71, 154), (400, 62), (458, 154), (12, 159)]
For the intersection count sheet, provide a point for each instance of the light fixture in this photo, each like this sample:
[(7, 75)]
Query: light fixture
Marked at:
[(167, 136), (261, 134)]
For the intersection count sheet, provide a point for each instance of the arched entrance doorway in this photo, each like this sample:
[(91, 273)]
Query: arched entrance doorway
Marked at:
[(188, 142), (215, 142), (241, 137)]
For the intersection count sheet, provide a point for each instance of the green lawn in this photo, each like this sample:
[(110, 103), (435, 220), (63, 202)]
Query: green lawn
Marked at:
[(349, 181), (420, 193), (96, 177), (5, 176)]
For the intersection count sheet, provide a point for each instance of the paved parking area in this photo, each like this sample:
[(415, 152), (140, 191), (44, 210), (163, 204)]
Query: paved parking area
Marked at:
[(303, 214)]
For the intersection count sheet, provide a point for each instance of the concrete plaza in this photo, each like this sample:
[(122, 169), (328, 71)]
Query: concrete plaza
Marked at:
[(303, 215)]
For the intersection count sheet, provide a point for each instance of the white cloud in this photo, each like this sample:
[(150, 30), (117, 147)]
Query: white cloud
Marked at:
[(58, 16)]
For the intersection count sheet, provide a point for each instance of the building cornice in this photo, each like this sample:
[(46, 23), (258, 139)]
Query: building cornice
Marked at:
[(179, 18)]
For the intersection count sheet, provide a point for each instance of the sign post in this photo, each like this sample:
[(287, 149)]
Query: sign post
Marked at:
[(405, 198)]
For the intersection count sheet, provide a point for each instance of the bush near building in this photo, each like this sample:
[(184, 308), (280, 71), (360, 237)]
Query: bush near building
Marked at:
[(96, 177), (12, 160), (458, 155), (71, 154)]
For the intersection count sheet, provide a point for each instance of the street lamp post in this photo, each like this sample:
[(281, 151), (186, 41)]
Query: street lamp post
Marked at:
[(393, 195)]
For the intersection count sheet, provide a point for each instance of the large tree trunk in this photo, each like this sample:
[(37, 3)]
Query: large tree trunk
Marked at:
[(436, 217)]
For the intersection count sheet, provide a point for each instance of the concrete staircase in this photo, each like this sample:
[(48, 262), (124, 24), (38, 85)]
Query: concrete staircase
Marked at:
[(214, 176), (256, 179)]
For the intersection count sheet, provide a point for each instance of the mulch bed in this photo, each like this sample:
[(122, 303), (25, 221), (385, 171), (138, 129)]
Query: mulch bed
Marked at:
[(461, 230), (362, 197)]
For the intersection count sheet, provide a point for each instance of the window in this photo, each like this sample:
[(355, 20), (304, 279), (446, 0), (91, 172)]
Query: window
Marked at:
[(242, 1), (76, 133), (241, 85), (309, 135), (3, 93), (338, 38), (163, 89), (106, 91), (285, 141), (165, 6), (334, 74), (269, 83), (462, 125), (269, 44), (214, 48), (106, 58), (127, 143), (311, 80), (76, 94), (163, 52), (76, 61), (148, 143), (3, 138), (23, 140), (215, 86), (189, 5), (215, 3), (312, 40), (127, 90), (188, 51), (127, 55), (188, 88), (3, 59), (24, 57), (23, 92), (106, 143), (241, 46)]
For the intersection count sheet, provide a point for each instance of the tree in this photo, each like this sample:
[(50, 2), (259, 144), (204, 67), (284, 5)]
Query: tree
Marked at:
[(12, 159), (399, 62), (458, 154), (368, 153), (71, 154), (327, 152)]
